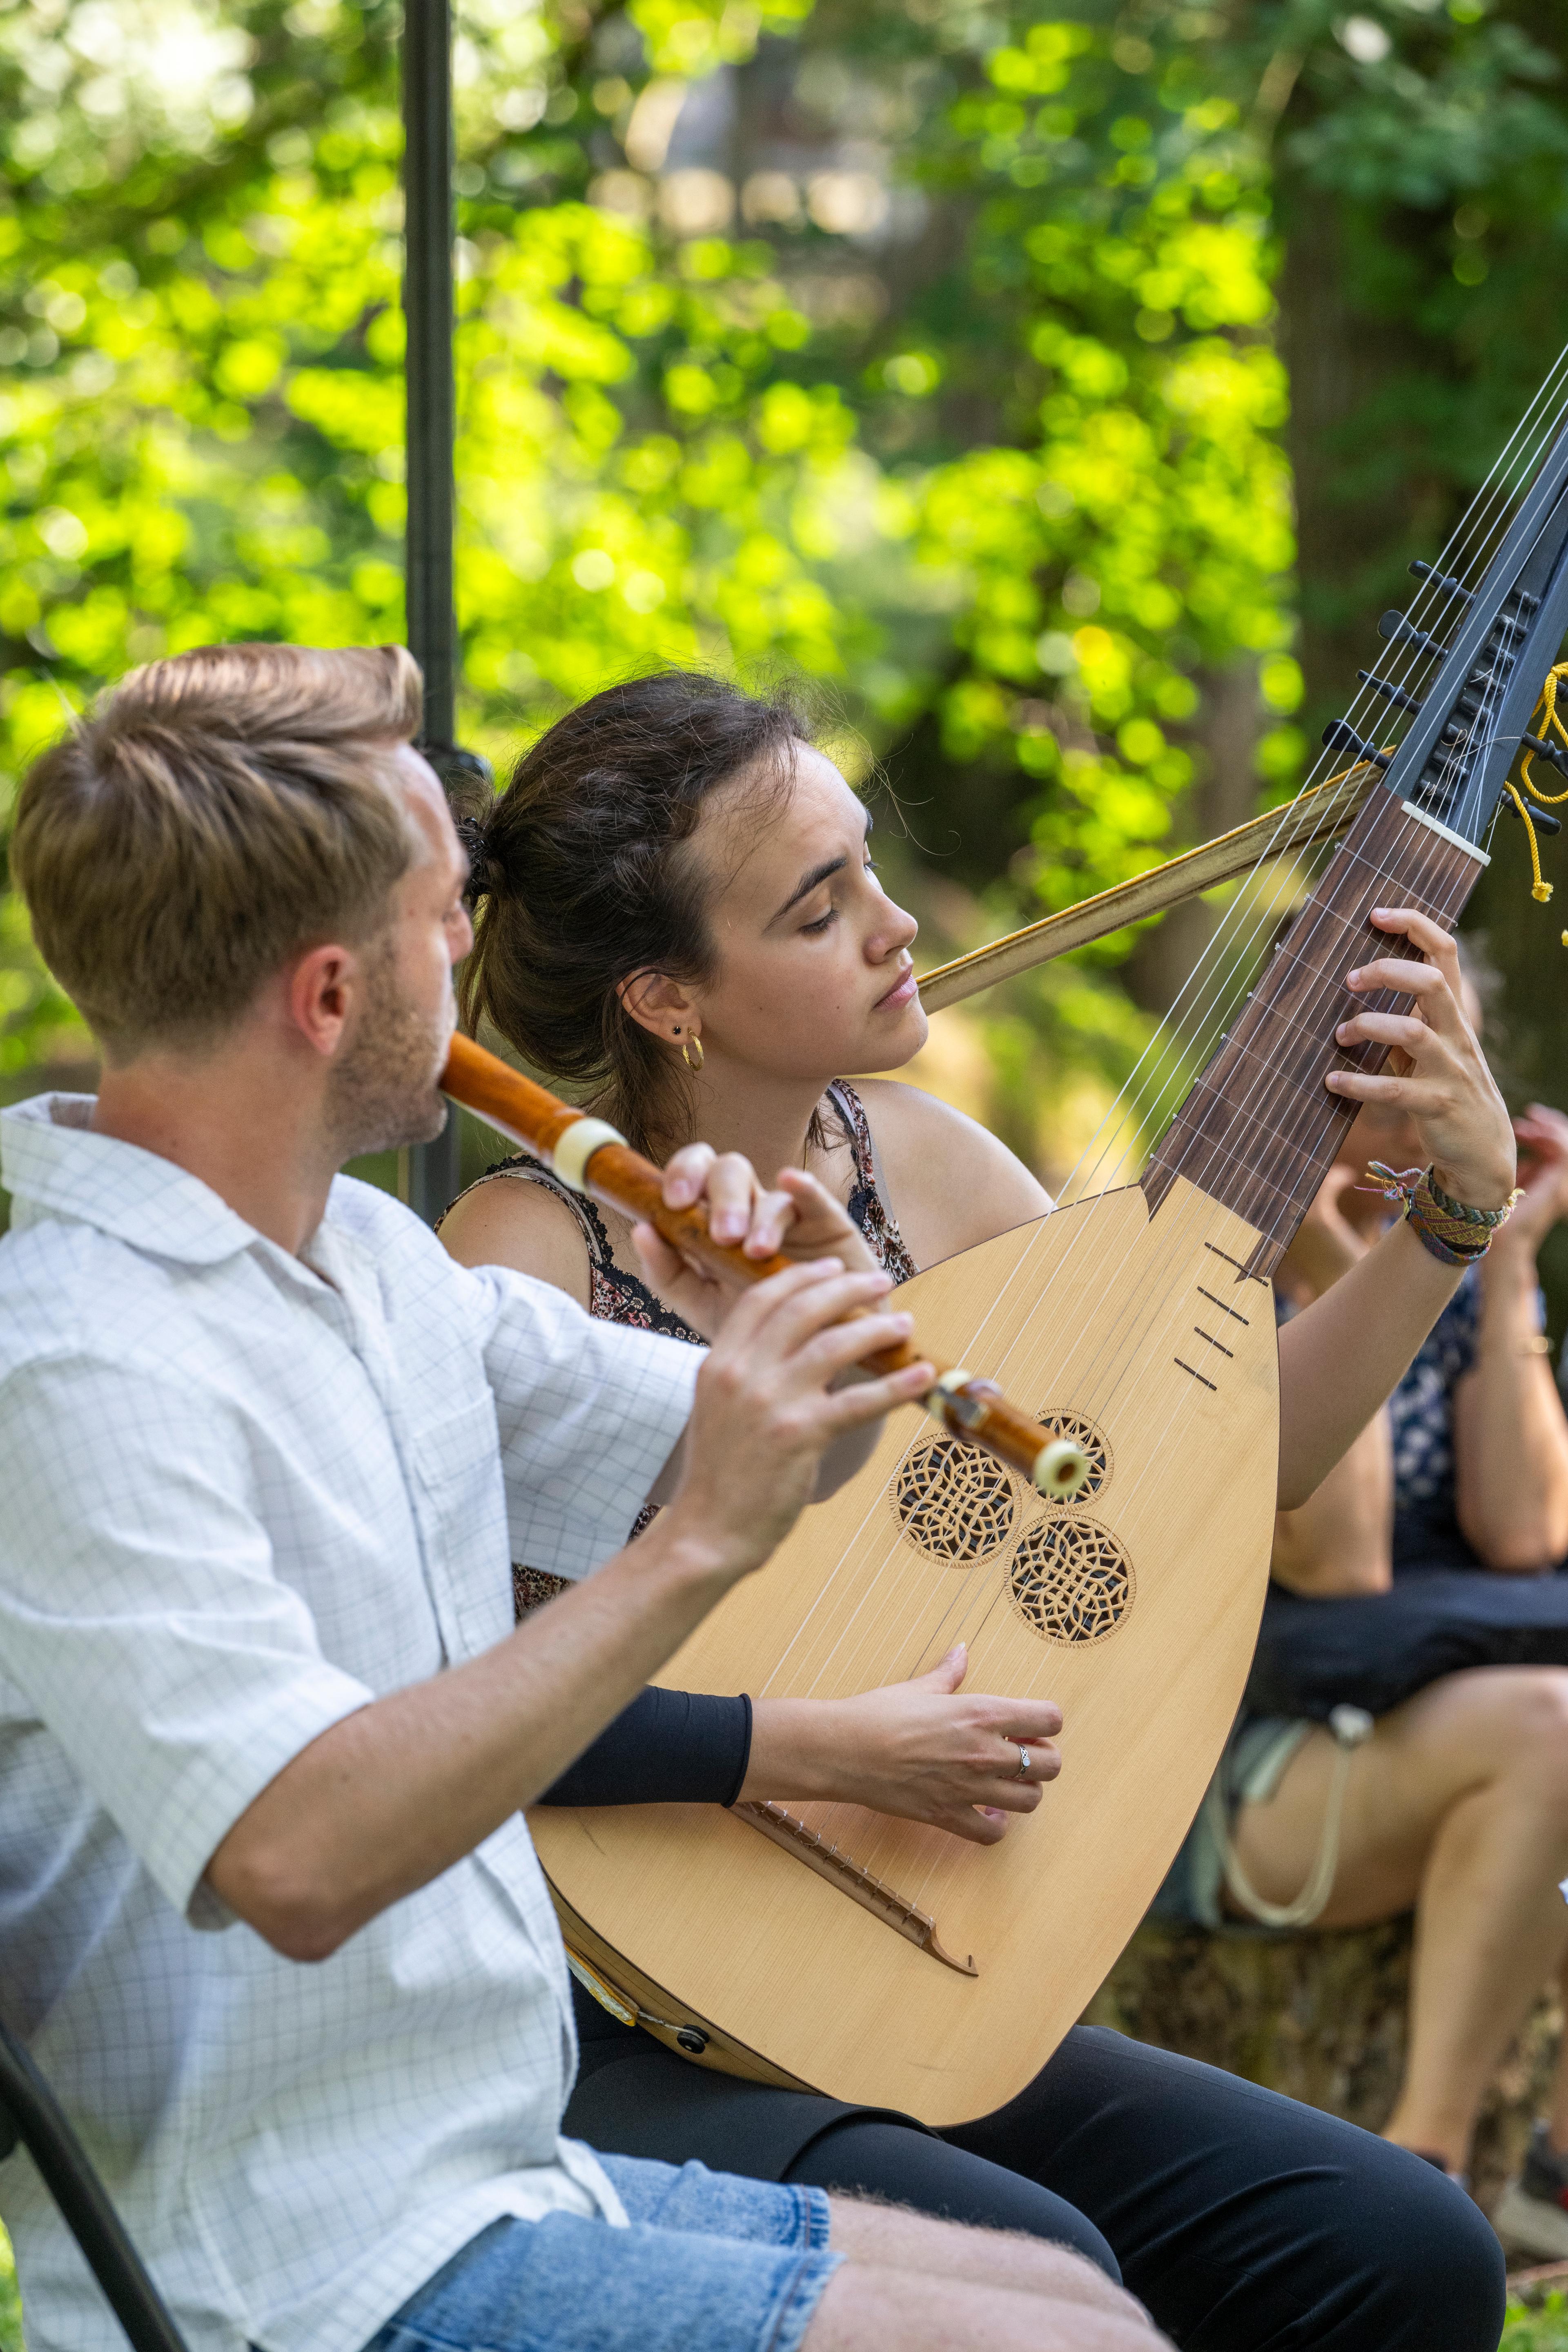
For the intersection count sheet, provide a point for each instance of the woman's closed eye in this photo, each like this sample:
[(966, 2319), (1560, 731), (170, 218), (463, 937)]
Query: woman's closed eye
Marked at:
[(814, 929)]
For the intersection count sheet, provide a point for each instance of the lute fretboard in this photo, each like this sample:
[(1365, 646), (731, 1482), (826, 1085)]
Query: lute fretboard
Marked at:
[(1259, 1129)]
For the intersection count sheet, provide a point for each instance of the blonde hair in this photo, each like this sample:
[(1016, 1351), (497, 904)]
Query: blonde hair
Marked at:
[(215, 815)]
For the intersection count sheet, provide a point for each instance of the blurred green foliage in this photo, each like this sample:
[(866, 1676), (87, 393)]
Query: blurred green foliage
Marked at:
[(1543, 2328), (663, 455), (11, 2337), (978, 412)]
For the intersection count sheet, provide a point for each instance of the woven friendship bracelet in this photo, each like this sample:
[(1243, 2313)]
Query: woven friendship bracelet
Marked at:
[(1450, 1230), (1451, 1208)]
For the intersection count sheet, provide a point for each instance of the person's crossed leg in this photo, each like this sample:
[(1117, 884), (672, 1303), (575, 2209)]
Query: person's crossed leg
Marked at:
[(734, 2265)]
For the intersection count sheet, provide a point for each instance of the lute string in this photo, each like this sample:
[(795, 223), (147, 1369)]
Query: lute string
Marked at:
[(1332, 1111), (1422, 882), (1423, 890), (933, 1889), (1140, 1349), (1261, 915)]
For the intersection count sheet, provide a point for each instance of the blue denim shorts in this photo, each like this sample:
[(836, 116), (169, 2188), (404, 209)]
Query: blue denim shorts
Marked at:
[(710, 2259)]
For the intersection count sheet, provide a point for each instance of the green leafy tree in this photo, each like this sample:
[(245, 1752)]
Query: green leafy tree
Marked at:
[(1011, 516), (933, 349)]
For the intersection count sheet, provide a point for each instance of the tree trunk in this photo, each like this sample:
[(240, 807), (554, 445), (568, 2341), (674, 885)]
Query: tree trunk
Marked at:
[(1366, 496), (1224, 739)]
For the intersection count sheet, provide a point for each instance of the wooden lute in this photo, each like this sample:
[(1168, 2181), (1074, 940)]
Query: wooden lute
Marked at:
[(882, 1961)]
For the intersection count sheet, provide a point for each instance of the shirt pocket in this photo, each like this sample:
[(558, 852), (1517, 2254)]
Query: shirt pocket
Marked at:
[(460, 1504)]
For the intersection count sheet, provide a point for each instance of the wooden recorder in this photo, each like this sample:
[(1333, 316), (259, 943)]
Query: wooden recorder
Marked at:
[(594, 1157)]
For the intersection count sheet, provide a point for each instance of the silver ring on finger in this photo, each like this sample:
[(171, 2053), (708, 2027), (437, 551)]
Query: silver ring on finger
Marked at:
[(1022, 1772)]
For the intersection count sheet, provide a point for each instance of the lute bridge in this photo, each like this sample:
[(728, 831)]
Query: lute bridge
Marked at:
[(851, 1878)]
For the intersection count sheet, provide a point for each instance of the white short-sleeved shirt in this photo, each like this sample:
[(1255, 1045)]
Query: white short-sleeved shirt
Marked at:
[(242, 1493)]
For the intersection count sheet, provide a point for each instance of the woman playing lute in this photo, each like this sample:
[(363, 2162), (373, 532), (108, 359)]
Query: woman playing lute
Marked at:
[(677, 911)]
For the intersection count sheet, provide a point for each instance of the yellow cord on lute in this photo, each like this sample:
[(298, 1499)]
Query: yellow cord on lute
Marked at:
[(1545, 724), (1539, 888)]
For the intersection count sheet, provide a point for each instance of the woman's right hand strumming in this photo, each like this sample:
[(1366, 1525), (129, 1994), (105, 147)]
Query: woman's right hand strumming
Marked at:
[(923, 1750)]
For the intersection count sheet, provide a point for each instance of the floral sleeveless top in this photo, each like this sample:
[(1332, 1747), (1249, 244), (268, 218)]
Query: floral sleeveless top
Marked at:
[(618, 1297)]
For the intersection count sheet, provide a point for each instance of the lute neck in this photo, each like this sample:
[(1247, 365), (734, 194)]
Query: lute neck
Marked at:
[(1259, 1129)]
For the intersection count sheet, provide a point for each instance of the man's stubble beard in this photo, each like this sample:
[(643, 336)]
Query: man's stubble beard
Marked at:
[(383, 1089)]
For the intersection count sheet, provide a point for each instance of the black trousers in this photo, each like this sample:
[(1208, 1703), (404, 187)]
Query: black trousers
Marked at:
[(1244, 2222)]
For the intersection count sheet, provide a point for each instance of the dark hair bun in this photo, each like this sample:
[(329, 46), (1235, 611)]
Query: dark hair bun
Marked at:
[(487, 875), (579, 865)]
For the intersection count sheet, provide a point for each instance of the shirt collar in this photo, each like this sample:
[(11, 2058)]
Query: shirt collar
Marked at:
[(53, 1164)]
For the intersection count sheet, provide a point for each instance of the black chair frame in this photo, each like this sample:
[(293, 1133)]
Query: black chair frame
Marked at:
[(31, 2115)]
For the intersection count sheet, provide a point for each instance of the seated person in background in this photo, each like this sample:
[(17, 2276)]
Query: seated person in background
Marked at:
[(272, 1920), (1457, 1803), (679, 911), (1467, 1467)]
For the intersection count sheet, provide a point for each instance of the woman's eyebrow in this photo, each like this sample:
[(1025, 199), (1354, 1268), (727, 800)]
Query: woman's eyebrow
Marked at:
[(807, 883), (818, 874)]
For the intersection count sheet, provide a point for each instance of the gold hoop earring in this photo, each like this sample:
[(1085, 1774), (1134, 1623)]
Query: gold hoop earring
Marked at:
[(693, 1048)]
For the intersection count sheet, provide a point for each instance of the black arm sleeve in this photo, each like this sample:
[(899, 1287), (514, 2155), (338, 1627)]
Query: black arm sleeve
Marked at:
[(668, 1747)]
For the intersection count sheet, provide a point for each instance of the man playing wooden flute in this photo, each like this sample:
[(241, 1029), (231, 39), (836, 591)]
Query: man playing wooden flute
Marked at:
[(274, 1924)]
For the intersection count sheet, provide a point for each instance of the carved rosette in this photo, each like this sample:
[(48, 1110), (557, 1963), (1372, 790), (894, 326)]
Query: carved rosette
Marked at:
[(1071, 1580), (953, 1502), (1067, 1575)]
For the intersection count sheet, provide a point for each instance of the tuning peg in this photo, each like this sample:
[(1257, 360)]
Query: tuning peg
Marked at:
[(1395, 625), (1519, 596), (1390, 693), (1420, 571), (1341, 737), (1478, 687), (1553, 753), (1542, 819)]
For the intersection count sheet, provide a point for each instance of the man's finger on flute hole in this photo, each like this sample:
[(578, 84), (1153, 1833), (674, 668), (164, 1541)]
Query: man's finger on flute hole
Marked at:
[(687, 1173), (803, 1300), (772, 1216), (825, 1332), (853, 1405), (840, 1336), (731, 1193)]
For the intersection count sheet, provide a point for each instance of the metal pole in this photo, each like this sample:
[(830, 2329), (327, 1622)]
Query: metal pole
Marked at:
[(432, 1167)]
